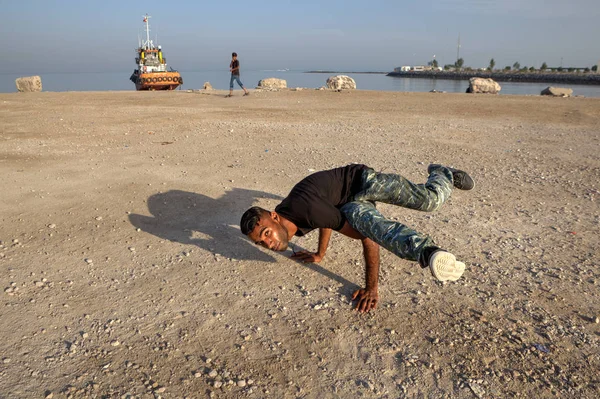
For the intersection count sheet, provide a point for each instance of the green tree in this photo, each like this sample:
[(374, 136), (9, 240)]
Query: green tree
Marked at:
[(517, 66), (586, 70), (435, 63), (459, 63), (595, 68), (507, 68), (544, 66), (492, 64), (531, 69), (559, 69)]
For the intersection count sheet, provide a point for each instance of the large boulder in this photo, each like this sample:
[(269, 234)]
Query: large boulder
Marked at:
[(340, 82), (29, 84), (557, 92), (272, 83), (207, 86), (481, 85)]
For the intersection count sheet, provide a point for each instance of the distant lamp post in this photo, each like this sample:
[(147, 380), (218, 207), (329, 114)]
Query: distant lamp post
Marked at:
[(458, 51)]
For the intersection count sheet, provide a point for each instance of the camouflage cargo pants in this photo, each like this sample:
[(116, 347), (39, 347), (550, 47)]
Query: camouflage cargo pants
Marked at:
[(395, 189)]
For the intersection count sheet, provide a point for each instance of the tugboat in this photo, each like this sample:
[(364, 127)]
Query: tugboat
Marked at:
[(151, 72)]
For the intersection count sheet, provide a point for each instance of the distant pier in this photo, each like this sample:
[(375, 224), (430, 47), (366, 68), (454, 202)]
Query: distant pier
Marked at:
[(589, 78)]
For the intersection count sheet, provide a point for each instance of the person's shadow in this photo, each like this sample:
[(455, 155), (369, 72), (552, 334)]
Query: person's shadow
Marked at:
[(212, 224)]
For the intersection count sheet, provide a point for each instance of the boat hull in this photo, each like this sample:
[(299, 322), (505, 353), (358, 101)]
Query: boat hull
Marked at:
[(157, 81)]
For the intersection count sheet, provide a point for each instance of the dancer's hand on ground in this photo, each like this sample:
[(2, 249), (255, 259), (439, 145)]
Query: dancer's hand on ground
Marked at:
[(308, 257), (367, 299)]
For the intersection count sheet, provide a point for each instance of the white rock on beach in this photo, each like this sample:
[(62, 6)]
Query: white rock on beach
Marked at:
[(272, 83), (481, 85), (207, 86), (29, 84), (341, 82), (557, 91)]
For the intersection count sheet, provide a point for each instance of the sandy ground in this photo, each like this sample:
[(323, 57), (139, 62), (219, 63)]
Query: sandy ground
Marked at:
[(124, 273)]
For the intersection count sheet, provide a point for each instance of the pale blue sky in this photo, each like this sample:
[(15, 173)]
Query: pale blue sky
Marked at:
[(73, 36)]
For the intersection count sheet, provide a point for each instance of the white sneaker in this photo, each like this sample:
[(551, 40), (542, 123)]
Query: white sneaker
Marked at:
[(444, 266)]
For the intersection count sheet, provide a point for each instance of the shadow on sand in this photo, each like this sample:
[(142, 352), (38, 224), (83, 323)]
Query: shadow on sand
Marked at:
[(213, 225)]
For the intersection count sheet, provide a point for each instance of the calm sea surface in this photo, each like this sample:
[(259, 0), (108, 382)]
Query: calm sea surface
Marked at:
[(220, 80)]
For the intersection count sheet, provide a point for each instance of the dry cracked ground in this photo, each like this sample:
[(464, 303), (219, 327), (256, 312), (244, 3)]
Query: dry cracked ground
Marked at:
[(124, 274)]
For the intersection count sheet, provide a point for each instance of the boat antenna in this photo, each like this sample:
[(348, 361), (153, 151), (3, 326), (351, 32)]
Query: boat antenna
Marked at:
[(147, 43)]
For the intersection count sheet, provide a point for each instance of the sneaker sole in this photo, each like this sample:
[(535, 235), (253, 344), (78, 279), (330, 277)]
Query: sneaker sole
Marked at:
[(445, 267), (454, 170)]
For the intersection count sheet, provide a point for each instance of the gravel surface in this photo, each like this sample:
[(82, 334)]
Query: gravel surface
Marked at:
[(124, 274)]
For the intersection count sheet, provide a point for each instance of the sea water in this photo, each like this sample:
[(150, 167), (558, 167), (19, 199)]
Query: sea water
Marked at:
[(220, 80)]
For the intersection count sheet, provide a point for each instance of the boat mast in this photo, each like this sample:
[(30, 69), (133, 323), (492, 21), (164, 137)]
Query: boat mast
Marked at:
[(147, 43)]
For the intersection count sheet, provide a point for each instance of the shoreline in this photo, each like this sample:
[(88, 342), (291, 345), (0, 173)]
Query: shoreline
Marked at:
[(222, 92), (364, 73), (370, 80)]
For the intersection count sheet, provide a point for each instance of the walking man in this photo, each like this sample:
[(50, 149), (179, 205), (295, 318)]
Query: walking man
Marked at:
[(234, 68), (344, 199)]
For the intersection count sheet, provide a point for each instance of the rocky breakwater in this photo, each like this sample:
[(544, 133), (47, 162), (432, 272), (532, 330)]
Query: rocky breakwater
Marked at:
[(529, 77)]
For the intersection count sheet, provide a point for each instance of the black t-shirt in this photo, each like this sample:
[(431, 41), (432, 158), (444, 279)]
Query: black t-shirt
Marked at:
[(315, 201), (233, 65)]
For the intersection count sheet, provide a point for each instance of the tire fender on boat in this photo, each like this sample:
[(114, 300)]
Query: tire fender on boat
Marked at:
[(180, 80), (153, 80)]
